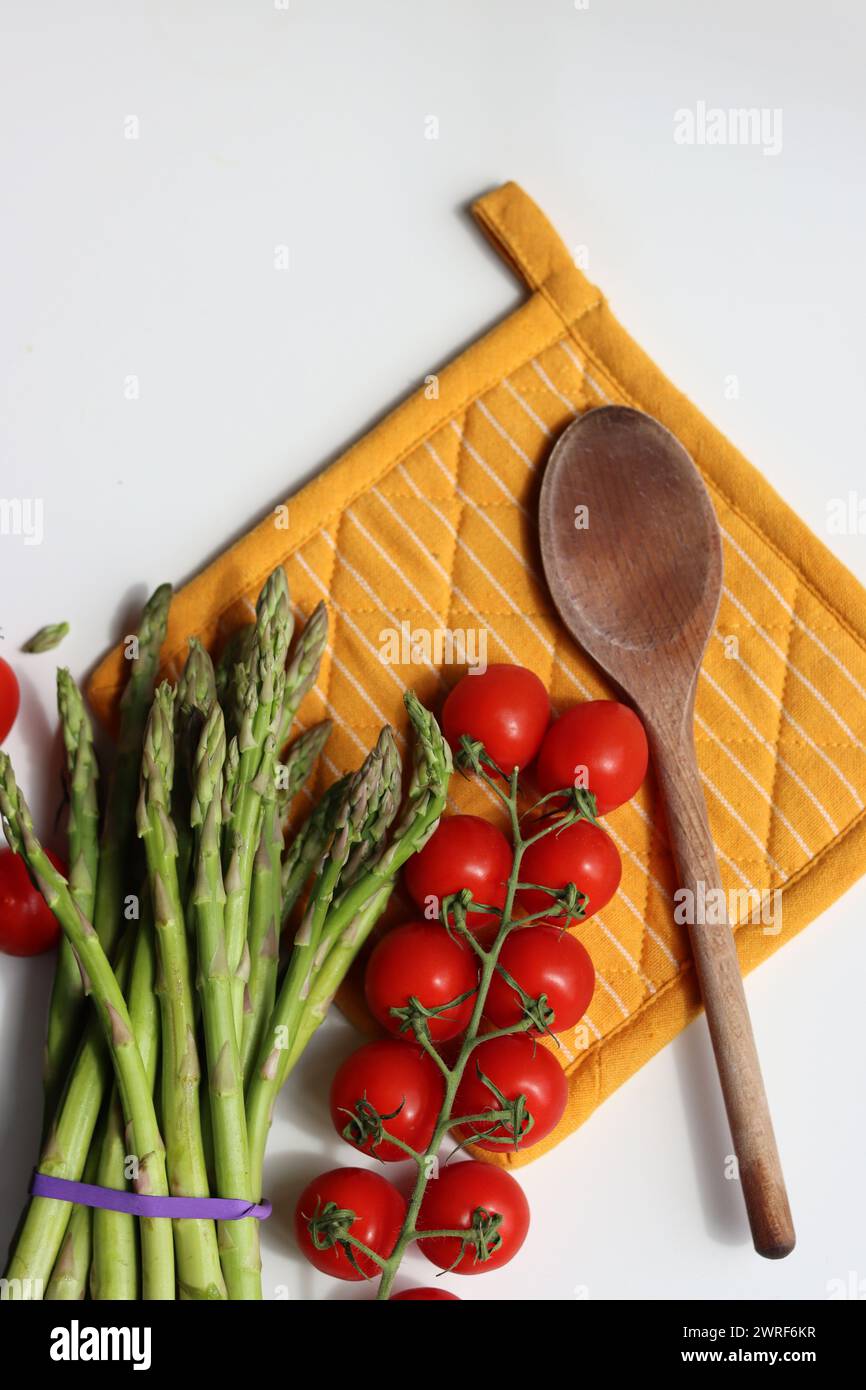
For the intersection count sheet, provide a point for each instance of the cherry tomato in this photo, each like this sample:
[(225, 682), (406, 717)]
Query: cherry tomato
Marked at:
[(600, 745), (517, 1066), (27, 925), (582, 854), (543, 961), (379, 1211), (427, 1295), (390, 1077), (506, 707), (421, 960), (467, 1195), (463, 852), (10, 698)]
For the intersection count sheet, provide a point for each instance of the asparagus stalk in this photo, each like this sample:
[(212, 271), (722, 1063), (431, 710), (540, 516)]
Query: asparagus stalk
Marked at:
[(333, 930), (101, 982), (64, 1151), (382, 809), (266, 909), (236, 652), (308, 845), (302, 669), (196, 692), (238, 1240), (115, 1274), (297, 764), (261, 683), (198, 1267), (67, 996), (359, 906), (264, 933), (70, 1276), (118, 835)]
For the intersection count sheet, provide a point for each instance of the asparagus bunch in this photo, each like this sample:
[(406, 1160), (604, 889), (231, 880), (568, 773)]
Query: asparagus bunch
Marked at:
[(203, 968), (88, 1072), (101, 982)]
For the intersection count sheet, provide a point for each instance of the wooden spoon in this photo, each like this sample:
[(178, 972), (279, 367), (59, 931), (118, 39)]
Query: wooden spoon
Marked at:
[(637, 579)]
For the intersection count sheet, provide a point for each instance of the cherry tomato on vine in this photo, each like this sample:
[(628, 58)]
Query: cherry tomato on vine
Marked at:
[(27, 925), (10, 698), (372, 1210), (506, 707), (517, 1066), (420, 960), (580, 853), (470, 1196), (401, 1084), (600, 745), (463, 852), (543, 961), (425, 1295)]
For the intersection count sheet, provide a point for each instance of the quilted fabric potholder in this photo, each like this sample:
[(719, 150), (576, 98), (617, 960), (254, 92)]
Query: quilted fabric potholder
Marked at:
[(428, 526)]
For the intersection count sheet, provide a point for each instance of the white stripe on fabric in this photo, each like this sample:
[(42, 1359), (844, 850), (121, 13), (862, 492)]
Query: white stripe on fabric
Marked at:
[(797, 727), (794, 670), (583, 370), (778, 812), (527, 408), (785, 766), (803, 626), (542, 375), (503, 433)]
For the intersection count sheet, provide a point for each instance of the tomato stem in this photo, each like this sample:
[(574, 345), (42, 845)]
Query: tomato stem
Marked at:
[(453, 915)]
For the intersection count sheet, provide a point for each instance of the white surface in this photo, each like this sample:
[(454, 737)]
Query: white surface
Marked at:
[(305, 127)]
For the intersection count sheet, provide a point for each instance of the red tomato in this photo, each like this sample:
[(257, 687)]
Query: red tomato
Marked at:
[(582, 854), (517, 1066), (543, 961), (27, 925), (10, 698), (390, 1077), (506, 707), (600, 745), (427, 1295), (421, 960), (377, 1212), (463, 852), (466, 1195)]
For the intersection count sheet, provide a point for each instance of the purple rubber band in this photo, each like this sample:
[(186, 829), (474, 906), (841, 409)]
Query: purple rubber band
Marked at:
[(88, 1194)]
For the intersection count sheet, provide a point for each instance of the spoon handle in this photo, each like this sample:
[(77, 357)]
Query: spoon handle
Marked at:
[(718, 969)]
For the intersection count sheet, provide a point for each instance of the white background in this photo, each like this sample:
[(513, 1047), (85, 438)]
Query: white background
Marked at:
[(305, 127)]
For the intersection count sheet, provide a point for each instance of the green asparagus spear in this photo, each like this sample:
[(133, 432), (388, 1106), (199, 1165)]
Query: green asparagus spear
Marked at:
[(238, 1240), (264, 933), (381, 811), (263, 937), (308, 845), (298, 763), (196, 692), (115, 1274), (118, 835), (195, 1241), (261, 684), (198, 1268), (335, 924), (100, 981), (70, 1276), (302, 669), (236, 652), (65, 1011)]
